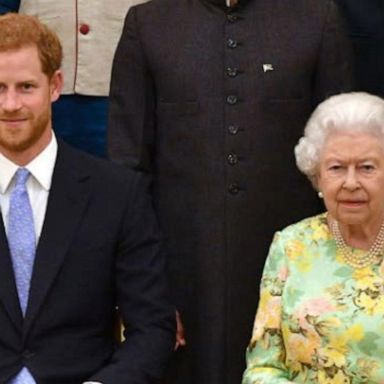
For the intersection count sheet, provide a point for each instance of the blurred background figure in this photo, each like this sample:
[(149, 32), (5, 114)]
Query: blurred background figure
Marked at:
[(365, 21), (320, 316), (89, 31)]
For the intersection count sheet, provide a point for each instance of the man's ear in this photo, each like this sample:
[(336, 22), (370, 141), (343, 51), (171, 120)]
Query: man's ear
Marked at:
[(56, 85)]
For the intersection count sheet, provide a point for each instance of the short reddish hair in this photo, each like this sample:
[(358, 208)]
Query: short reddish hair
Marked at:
[(19, 30)]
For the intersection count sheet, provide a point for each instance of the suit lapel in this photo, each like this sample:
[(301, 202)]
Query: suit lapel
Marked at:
[(8, 291), (67, 200)]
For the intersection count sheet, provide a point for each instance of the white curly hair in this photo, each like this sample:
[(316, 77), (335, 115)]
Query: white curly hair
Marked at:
[(350, 112)]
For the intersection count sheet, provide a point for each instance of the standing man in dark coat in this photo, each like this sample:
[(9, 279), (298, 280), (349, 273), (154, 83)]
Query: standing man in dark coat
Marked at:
[(211, 99)]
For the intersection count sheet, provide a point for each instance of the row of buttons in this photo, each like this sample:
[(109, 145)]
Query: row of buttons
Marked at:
[(233, 188), (232, 158)]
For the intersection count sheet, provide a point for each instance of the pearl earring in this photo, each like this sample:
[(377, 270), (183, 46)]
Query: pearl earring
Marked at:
[(320, 194)]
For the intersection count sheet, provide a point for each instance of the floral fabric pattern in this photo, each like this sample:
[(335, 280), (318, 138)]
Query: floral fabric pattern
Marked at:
[(319, 320)]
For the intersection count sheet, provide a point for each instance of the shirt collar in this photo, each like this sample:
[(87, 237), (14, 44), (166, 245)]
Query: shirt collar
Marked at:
[(41, 167)]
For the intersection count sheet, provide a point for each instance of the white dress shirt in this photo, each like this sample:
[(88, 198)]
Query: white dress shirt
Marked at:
[(38, 184)]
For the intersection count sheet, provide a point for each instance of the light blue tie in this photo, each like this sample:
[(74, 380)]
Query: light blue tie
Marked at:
[(22, 245)]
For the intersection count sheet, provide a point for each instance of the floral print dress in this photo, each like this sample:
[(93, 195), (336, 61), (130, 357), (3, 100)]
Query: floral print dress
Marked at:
[(319, 320)]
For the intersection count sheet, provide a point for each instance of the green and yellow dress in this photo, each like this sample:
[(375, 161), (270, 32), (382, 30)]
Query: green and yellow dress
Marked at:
[(319, 320)]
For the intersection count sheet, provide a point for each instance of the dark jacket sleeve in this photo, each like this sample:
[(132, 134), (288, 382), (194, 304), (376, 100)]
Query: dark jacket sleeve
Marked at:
[(132, 101), (9, 6), (335, 72), (365, 20), (142, 299)]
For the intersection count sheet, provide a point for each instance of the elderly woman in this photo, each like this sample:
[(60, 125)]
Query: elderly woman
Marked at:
[(321, 312)]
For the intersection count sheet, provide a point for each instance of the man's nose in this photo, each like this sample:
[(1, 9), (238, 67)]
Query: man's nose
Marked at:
[(10, 101)]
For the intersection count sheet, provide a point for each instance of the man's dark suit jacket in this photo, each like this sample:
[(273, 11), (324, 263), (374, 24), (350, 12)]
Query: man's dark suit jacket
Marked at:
[(99, 248)]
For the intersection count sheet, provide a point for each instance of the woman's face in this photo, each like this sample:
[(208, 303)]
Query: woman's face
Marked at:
[(351, 178)]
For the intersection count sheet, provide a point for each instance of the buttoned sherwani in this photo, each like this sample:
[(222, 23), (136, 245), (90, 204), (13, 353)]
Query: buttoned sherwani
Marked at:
[(211, 102)]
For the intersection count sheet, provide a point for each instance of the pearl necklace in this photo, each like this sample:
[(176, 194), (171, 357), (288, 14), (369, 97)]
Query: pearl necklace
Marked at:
[(354, 260)]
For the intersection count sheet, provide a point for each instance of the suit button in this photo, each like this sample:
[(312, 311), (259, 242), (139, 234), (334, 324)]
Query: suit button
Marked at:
[(233, 188), (233, 129), (231, 99), (232, 72), (231, 43), (232, 159), (27, 354), (84, 29), (231, 17)]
